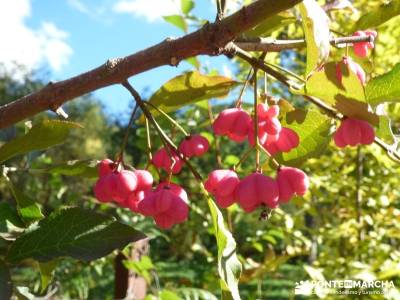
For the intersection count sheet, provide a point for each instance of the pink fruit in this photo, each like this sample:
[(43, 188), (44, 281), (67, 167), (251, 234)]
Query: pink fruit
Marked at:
[(257, 189), (174, 189), (361, 49), (222, 184), (106, 187), (284, 142), (194, 145), (162, 160), (105, 167), (234, 123), (267, 118), (352, 132), (165, 207), (144, 180), (351, 65), (291, 181), (126, 183)]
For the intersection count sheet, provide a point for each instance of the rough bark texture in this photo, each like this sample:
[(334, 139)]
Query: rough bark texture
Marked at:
[(209, 40)]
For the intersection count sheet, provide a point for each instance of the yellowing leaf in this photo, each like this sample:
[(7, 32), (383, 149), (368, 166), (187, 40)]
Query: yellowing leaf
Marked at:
[(316, 31), (189, 88)]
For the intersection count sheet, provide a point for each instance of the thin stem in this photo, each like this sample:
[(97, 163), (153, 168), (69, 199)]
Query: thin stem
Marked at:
[(176, 124), (125, 140), (164, 138), (216, 140), (294, 75), (256, 120), (243, 158), (274, 161), (239, 99)]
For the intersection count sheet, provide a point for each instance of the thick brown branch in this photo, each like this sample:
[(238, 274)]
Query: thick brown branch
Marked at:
[(209, 40), (272, 45)]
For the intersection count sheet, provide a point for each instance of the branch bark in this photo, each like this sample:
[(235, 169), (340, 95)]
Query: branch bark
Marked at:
[(272, 45), (209, 40)]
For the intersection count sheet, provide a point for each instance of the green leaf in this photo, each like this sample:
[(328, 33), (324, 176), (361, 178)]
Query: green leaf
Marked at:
[(196, 294), (73, 232), (84, 168), (177, 21), (194, 62), (187, 6), (141, 267), (312, 128), (229, 266), (316, 31), (9, 214), (384, 130), (46, 273), (168, 295), (5, 282), (41, 136), (381, 14), (384, 88), (189, 88), (27, 208), (347, 96), (271, 24)]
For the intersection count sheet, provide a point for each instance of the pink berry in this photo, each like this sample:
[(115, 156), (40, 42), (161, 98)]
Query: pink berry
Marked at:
[(165, 207), (291, 181), (267, 118), (194, 145), (126, 183), (105, 188), (352, 132), (174, 189), (234, 123), (222, 184), (353, 67), (361, 49), (162, 160), (284, 142), (257, 189), (144, 180), (105, 167)]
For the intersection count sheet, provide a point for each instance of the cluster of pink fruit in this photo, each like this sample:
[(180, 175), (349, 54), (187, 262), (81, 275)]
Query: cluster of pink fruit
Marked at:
[(167, 203), (352, 132)]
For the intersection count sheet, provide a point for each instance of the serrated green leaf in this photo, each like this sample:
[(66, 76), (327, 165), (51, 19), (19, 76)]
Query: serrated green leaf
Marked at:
[(189, 88), (347, 96), (46, 273), (187, 6), (73, 232), (316, 31), (229, 266), (177, 21), (266, 27), (384, 88), (382, 13), (5, 282), (27, 208), (41, 136), (384, 130), (312, 128)]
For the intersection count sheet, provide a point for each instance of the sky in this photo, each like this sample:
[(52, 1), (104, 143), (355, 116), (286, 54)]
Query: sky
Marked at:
[(68, 37)]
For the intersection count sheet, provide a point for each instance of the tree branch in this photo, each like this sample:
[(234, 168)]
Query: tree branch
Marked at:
[(272, 45), (209, 40)]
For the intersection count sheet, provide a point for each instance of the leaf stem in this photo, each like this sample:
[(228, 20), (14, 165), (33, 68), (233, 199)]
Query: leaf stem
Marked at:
[(168, 117), (255, 120), (120, 158)]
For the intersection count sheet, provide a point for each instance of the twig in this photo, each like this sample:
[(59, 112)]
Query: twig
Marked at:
[(272, 45), (211, 39), (164, 138)]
